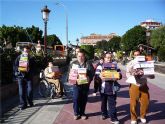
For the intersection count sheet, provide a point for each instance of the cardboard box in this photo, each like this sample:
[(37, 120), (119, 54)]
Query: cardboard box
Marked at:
[(55, 69), (82, 77), (110, 66), (139, 58), (146, 64), (149, 71), (110, 75), (73, 75)]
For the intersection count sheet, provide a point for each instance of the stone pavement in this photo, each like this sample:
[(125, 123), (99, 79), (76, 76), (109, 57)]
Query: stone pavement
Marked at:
[(59, 111), (156, 113)]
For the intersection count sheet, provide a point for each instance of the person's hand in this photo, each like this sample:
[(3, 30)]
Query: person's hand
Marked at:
[(137, 72)]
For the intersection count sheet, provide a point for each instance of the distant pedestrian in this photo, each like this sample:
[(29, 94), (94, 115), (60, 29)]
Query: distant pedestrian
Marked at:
[(24, 71), (39, 50), (97, 79), (109, 90), (81, 87)]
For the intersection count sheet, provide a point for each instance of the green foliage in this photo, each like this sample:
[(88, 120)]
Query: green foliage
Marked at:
[(158, 37), (53, 40), (7, 59), (102, 45), (12, 34), (114, 43), (15, 34), (89, 49), (119, 55), (98, 52), (33, 33), (161, 53), (133, 37)]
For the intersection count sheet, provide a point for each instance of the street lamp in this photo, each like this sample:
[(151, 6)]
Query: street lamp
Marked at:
[(66, 14), (45, 15), (77, 40), (148, 33)]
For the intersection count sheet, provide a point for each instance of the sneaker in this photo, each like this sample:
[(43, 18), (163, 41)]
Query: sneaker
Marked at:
[(23, 107), (94, 94), (31, 104), (76, 117), (143, 120), (84, 117), (103, 117), (115, 122), (133, 122)]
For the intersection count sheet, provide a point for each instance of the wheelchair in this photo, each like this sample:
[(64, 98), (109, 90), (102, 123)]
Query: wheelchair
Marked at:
[(46, 89)]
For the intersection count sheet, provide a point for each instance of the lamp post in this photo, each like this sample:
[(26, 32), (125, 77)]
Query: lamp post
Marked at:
[(66, 14), (77, 40), (148, 33), (45, 15)]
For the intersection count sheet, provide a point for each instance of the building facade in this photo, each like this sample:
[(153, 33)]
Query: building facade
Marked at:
[(150, 24), (92, 39)]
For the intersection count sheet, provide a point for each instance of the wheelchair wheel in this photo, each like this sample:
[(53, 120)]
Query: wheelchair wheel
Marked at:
[(44, 88), (53, 90)]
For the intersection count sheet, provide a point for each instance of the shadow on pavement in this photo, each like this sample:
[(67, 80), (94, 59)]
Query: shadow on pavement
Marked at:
[(156, 110), (62, 102)]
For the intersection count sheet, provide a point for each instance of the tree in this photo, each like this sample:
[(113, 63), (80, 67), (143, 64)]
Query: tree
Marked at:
[(33, 33), (12, 35), (133, 37), (158, 37), (102, 45), (158, 41), (53, 40), (114, 43), (89, 49), (16, 34)]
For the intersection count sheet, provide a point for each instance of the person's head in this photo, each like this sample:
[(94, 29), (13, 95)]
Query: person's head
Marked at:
[(81, 56), (101, 60), (26, 49), (50, 64), (136, 53), (108, 57), (77, 50)]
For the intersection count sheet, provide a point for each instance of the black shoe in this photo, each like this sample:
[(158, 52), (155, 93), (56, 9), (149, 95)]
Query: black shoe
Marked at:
[(31, 104)]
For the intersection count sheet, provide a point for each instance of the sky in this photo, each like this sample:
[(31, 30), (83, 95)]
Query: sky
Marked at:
[(84, 16)]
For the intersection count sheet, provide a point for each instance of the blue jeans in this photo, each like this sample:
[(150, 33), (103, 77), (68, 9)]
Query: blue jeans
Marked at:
[(80, 96), (111, 99), (25, 92)]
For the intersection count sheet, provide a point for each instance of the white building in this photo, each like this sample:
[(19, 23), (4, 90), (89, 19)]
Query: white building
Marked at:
[(94, 38), (150, 24)]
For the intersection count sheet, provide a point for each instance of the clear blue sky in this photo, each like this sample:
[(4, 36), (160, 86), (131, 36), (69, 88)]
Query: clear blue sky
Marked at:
[(85, 16)]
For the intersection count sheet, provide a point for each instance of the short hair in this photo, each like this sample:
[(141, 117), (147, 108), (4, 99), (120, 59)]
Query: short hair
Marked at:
[(108, 52), (27, 47), (82, 51)]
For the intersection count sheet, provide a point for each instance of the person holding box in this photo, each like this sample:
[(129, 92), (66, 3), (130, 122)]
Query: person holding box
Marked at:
[(109, 87), (81, 73), (138, 89)]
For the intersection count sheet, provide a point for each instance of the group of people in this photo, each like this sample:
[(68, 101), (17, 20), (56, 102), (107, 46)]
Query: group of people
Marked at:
[(108, 88)]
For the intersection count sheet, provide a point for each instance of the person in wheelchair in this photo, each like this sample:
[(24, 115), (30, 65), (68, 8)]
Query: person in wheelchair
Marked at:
[(52, 75)]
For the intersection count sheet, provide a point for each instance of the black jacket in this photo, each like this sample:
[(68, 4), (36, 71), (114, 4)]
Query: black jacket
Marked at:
[(26, 75)]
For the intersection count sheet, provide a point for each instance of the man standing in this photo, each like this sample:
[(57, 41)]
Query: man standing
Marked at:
[(80, 91), (24, 70), (139, 92)]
